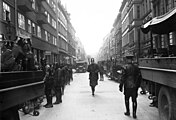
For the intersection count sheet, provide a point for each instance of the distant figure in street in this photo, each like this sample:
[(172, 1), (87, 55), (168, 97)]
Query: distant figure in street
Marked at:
[(70, 73), (93, 70), (101, 72), (131, 82)]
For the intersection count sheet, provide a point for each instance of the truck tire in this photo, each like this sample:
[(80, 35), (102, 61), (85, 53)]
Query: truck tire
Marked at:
[(166, 104), (27, 107)]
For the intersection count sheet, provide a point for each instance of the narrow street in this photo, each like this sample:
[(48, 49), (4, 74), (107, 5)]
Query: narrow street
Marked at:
[(107, 104)]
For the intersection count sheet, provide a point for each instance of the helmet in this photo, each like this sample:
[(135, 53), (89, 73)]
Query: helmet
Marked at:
[(92, 60)]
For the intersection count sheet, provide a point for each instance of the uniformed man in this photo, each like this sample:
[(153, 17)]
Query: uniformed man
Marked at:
[(93, 70), (131, 82), (49, 82), (63, 76), (57, 84), (101, 72)]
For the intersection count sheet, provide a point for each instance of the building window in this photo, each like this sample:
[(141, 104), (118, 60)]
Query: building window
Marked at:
[(54, 7), (54, 23), (167, 5), (48, 15), (46, 35), (171, 38), (29, 26), (21, 21), (174, 3), (6, 12), (33, 4), (138, 12), (54, 40), (39, 31), (49, 36), (155, 38), (162, 41), (33, 29), (131, 37)]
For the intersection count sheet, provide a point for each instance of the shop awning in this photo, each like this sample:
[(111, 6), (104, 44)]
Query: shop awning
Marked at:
[(161, 24)]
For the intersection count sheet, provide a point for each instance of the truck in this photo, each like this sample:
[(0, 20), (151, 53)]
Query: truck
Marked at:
[(19, 86), (159, 67), (81, 66), (16, 88)]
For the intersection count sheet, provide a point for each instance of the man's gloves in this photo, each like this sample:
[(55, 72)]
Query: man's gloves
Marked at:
[(120, 88)]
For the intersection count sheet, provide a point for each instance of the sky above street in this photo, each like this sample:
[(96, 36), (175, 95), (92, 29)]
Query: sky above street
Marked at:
[(92, 20)]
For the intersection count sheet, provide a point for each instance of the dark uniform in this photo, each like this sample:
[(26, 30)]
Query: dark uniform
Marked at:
[(57, 84), (49, 82), (67, 75), (131, 82), (101, 73), (70, 73), (93, 70), (63, 77)]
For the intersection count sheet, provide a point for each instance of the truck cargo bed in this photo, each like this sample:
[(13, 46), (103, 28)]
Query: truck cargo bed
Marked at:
[(18, 87)]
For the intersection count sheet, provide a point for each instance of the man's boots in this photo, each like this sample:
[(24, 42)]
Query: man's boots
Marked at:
[(93, 90), (134, 109), (49, 102), (127, 108), (58, 98)]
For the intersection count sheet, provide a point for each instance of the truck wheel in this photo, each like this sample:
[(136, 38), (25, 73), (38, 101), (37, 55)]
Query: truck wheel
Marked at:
[(36, 113), (166, 104), (27, 108)]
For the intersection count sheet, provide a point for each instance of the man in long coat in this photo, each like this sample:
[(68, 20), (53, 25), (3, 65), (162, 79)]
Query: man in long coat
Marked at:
[(57, 84), (93, 70), (49, 82)]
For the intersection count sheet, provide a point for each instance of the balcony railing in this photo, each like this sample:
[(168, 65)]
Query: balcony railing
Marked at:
[(41, 18), (25, 5)]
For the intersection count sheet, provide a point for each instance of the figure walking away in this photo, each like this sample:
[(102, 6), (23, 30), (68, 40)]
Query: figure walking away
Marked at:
[(93, 70), (131, 82)]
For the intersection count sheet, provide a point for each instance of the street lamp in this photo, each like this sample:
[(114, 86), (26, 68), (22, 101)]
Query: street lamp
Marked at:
[(1, 44)]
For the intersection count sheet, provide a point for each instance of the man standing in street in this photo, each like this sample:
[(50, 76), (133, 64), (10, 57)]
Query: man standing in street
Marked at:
[(101, 72), (93, 70), (131, 82), (57, 84), (49, 82)]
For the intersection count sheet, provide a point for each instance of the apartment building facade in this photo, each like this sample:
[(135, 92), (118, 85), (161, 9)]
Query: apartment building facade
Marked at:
[(43, 21), (131, 22), (118, 39)]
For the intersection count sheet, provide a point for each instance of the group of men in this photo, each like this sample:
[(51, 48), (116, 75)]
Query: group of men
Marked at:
[(56, 77), (129, 83)]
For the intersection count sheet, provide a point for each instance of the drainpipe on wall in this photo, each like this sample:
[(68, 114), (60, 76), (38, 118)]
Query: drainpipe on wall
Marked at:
[(16, 18)]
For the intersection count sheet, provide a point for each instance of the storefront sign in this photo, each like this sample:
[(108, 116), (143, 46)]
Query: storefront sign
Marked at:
[(47, 52)]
